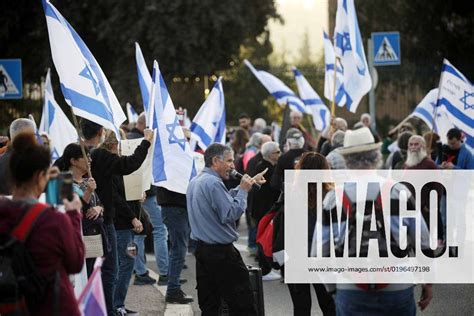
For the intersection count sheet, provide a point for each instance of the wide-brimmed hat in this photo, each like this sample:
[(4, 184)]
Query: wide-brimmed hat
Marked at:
[(359, 140)]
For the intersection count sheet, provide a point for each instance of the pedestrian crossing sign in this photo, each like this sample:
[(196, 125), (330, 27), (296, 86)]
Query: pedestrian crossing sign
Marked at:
[(386, 48), (10, 79)]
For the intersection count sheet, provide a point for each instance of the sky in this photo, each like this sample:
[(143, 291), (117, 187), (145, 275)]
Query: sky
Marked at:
[(299, 16)]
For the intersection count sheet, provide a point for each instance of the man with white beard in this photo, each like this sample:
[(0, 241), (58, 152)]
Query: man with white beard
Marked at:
[(417, 157)]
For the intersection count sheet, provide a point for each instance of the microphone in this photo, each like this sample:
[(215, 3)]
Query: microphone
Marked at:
[(237, 175)]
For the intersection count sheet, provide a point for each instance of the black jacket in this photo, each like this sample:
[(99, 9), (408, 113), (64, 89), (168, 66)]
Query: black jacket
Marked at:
[(5, 186), (286, 161), (125, 210), (253, 162), (105, 165), (169, 198), (261, 201)]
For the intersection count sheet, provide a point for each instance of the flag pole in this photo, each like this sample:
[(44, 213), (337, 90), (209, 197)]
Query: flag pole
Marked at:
[(333, 103), (81, 142), (435, 111)]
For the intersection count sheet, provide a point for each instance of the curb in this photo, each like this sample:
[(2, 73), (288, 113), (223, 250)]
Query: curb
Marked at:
[(171, 309)]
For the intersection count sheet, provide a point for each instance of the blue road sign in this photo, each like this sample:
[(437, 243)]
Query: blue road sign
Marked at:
[(11, 86), (386, 48)]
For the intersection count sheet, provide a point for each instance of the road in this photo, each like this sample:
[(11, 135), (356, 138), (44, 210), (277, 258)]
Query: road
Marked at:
[(447, 299)]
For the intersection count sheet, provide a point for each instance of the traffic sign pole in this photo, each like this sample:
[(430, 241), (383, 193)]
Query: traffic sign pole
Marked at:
[(370, 45)]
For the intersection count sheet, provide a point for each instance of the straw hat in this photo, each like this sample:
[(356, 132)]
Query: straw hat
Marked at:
[(359, 140)]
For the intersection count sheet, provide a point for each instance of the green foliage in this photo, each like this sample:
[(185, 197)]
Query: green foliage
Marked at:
[(429, 31), (189, 38)]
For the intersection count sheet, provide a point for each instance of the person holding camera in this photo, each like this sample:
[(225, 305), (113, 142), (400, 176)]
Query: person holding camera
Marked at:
[(92, 220), (55, 243)]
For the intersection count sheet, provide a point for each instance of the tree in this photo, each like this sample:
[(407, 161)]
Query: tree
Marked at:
[(189, 38), (305, 50)]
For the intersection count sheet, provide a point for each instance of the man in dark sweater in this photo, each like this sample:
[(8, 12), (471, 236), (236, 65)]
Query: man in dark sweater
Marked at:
[(104, 166), (295, 141), (175, 217), (160, 233)]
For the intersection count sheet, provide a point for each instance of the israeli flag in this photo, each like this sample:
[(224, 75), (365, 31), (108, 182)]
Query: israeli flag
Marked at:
[(314, 105), (208, 125), (425, 111), (456, 93), (83, 83), (329, 60), (278, 89), (131, 114), (55, 123), (173, 164), (144, 78), (349, 48)]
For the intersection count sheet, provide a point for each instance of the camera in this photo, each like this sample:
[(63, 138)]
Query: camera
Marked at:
[(59, 188)]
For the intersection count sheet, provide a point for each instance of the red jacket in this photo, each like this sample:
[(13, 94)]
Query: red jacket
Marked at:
[(55, 243)]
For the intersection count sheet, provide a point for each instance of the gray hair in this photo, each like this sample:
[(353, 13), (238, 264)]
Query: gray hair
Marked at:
[(215, 150), (268, 148), (337, 138), (340, 124), (295, 114), (260, 123), (295, 143), (364, 160), (255, 140), (19, 126)]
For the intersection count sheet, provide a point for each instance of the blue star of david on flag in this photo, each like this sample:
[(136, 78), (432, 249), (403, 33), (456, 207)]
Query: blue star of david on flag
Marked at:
[(87, 74), (464, 100), (173, 139), (343, 41)]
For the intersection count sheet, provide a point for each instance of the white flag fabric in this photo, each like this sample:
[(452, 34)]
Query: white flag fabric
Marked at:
[(349, 48), (425, 111), (329, 60), (83, 82), (278, 89), (457, 95), (173, 163), (314, 105), (144, 77), (55, 123), (131, 114), (208, 125)]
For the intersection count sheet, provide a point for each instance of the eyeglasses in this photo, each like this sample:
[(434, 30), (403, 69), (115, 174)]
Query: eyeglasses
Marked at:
[(276, 152)]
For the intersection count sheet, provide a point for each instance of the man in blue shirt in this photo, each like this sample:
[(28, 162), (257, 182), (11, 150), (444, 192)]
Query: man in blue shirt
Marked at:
[(213, 211)]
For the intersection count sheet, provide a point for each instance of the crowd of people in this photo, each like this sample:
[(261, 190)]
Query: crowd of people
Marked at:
[(206, 219)]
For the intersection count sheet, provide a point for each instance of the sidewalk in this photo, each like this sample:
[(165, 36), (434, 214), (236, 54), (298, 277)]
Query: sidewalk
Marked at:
[(150, 300)]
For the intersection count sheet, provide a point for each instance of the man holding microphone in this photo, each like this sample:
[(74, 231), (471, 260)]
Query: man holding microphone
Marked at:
[(213, 211)]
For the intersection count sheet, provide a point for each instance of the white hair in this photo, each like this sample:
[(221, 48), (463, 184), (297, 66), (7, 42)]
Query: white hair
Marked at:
[(340, 124), (260, 123), (295, 114), (255, 140), (295, 143), (268, 148), (21, 125), (365, 115)]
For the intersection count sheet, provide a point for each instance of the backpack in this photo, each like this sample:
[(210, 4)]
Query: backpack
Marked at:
[(351, 206), (265, 242), (21, 287)]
